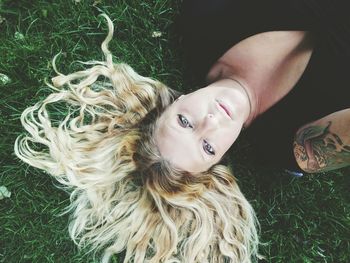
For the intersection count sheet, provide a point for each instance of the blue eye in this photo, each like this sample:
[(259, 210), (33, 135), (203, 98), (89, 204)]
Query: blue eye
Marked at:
[(208, 148), (184, 122)]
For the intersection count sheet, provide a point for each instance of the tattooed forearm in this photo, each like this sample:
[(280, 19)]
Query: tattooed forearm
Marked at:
[(318, 148)]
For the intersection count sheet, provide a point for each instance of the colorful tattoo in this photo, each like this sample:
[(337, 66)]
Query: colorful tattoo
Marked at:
[(317, 149)]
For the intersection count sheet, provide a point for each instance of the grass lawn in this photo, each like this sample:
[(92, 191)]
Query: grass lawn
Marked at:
[(305, 219)]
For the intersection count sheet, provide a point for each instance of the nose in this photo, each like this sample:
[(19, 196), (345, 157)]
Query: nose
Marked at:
[(209, 123)]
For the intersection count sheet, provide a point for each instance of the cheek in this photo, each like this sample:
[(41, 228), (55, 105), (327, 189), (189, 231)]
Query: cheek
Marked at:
[(228, 137)]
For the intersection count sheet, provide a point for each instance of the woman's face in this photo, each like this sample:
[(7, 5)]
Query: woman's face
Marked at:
[(198, 128)]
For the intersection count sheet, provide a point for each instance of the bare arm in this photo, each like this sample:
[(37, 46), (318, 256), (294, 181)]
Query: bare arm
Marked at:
[(324, 145)]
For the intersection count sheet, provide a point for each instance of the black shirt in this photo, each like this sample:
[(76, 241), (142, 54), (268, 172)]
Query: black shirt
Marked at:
[(211, 27)]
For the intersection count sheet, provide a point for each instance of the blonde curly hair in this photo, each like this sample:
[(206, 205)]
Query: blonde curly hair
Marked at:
[(124, 195)]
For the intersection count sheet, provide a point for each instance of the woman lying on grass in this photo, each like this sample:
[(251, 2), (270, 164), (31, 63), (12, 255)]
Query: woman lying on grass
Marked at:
[(124, 194), (145, 164)]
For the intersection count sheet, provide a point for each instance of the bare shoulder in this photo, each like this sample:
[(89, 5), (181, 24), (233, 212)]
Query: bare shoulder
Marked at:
[(324, 144)]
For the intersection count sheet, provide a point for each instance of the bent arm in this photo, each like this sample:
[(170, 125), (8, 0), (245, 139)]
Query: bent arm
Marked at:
[(324, 145)]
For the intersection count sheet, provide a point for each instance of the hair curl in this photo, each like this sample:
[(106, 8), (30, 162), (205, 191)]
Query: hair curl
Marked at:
[(124, 195)]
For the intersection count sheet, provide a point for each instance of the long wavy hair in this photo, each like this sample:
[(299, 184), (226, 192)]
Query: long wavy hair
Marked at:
[(124, 195)]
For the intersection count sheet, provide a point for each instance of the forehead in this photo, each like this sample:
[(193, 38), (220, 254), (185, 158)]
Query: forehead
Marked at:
[(178, 145)]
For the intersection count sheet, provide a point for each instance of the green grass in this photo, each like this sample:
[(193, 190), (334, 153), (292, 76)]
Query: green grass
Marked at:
[(303, 219)]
